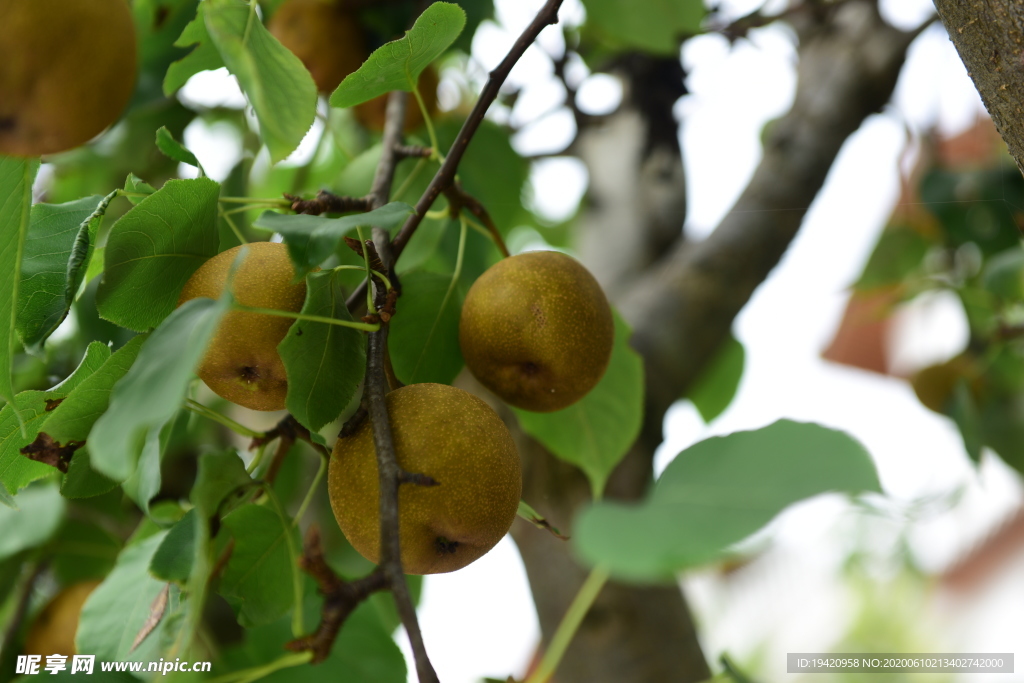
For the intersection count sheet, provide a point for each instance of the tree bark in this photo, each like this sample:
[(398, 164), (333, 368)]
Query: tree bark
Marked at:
[(681, 299), (988, 36)]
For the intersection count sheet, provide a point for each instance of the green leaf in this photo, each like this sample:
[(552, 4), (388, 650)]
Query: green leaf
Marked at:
[(73, 419), (220, 474), (203, 58), (278, 86), (173, 559), (324, 363), (144, 483), (117, 610), (154, 249), (82, 481), (312, 239), (256, 579), (716, 386), (134, 184), (52, 233), (15, 469), (424, 337), (397, 65), (16, 177), (659, 27), (596, 432), (718, 492), (150, 393), (39, 512), (84, 550), (897, 254), (166, 143)]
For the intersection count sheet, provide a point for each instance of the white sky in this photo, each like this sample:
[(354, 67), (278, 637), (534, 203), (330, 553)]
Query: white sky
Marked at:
[(480, 620)]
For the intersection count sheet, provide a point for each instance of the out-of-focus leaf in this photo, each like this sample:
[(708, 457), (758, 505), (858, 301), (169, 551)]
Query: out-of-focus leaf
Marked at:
[(658, 27), (120, 606), (150, 393), (717, 384), (984, 211), (718, 492), (38, 514)]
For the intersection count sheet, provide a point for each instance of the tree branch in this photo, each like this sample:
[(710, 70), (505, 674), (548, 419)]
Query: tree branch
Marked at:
[(986, 34), (446, 174)]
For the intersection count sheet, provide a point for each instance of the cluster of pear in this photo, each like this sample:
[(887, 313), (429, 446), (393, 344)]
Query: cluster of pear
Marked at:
[(327, 36), (67, 70), (536, 329)]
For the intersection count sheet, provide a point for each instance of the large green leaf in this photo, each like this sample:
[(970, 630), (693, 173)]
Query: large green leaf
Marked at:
[(173, 559), (203, 57), (659, 26), (154, 249), (52, 233), (16, 176), (15, 469), (312, 239), (117, 610), (325, 363), (717, 384), (278, 86), (718, 492), (596, 432), (424, 339), (397, 65), (150, 393), (260, 571), (39, 513)]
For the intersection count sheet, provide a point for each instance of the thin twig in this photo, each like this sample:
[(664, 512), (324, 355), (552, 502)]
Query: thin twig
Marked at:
[(446, 174), (328, 202), (459, 199)]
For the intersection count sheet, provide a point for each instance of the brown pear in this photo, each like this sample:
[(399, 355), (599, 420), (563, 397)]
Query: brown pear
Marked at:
[(53, 631), (241, 363), (537, 330), (459, 441), (67, 70), (324, 35)]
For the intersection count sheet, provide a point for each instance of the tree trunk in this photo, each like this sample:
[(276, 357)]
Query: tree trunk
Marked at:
[(987, 35)]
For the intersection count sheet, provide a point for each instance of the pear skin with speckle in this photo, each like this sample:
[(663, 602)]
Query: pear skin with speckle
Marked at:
[(536, 329), (458, 440), (67, 71), (241, 363)]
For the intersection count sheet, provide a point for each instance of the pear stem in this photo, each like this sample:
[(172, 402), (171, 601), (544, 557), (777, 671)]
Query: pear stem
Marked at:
[(365, 327), (207, 412)]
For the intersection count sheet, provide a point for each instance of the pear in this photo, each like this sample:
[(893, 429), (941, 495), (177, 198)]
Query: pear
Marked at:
[(324, 35), (537, 330), (241, 363), (53, 631), (459, 441), (67, 70)]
